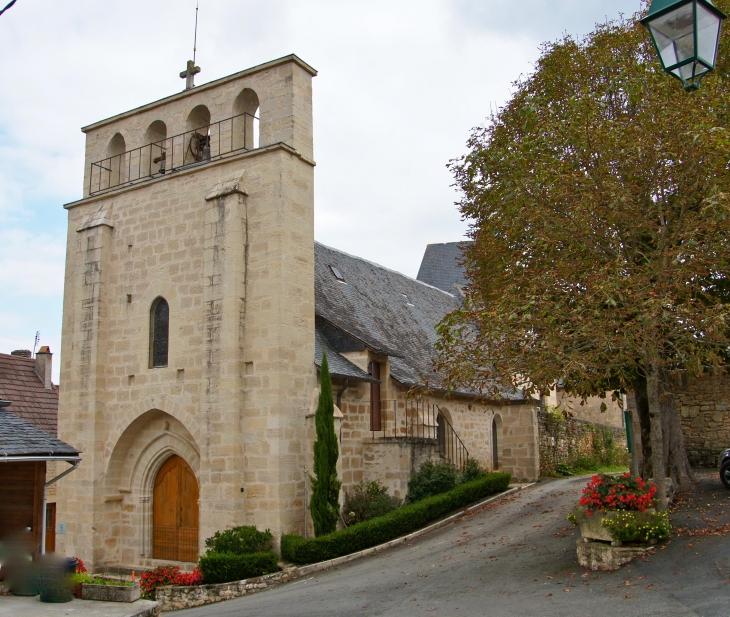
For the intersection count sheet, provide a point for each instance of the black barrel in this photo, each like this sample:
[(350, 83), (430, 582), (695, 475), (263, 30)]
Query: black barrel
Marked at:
[(54, 580)]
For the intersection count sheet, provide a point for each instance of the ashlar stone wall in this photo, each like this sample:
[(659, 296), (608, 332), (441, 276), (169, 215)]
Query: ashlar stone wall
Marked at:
[(229, 245)]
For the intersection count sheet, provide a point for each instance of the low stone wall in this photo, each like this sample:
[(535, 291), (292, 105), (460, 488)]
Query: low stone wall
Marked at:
[(392, 462), (178, 598), (571, 439)]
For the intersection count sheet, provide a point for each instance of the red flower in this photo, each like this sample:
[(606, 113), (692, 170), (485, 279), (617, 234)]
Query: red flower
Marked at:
[(606, 492)]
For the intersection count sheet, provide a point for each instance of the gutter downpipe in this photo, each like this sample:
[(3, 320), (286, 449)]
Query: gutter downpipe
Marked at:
[(76, 463), (341, 391)]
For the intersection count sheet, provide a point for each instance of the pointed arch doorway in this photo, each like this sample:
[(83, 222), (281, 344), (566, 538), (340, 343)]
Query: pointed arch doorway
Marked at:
[(175, 512)]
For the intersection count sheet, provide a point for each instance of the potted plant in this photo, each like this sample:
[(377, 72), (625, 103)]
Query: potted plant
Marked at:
[(619, 509), (80, 577)]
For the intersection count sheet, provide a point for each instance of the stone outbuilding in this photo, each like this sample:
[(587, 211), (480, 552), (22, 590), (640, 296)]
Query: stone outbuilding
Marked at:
[(378, 327)]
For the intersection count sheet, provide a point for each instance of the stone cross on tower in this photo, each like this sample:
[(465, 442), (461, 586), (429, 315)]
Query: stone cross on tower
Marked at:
[(189, 74)]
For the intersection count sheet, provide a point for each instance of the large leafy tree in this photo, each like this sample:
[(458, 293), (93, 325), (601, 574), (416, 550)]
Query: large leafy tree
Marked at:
[(324, 504), (599, 201)]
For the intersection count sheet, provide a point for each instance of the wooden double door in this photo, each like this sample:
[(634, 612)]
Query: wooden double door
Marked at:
[(175, 512)]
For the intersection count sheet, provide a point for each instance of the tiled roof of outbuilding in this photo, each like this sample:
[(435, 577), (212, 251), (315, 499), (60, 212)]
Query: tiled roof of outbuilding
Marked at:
[(440, 266), (20, 438), (389, 312), (32, 402)]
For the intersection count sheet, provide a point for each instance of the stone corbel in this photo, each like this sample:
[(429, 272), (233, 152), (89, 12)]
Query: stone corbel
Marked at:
[(101, 217), (229, 186)]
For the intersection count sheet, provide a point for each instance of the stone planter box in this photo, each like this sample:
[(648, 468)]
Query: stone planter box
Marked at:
[(591, 528), (110, 593)]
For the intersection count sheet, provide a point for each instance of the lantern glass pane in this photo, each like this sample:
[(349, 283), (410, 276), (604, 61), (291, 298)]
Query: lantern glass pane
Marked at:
[(708, 32), (689, 71), (673, 34)]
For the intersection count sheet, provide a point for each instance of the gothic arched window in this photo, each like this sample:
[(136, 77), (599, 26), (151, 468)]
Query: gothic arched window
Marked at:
[(159, 332)]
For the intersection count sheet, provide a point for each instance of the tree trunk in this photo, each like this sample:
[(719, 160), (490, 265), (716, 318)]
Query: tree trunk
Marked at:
[(642, 408), (675, 454), (653, 391)]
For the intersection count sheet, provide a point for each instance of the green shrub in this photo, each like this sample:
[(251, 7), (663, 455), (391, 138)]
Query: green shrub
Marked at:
[(392, 525), (366, 501), (239, 541), (431, 479), (227, 567), (585, 463), (79, 578), (472, 471)]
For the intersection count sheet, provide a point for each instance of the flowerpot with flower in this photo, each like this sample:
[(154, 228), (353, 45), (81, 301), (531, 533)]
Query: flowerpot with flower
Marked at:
[(79, 577), (620, 509)]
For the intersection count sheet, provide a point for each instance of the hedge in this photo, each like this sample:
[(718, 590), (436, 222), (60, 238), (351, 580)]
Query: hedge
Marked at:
[(398, 523), (227, 567)]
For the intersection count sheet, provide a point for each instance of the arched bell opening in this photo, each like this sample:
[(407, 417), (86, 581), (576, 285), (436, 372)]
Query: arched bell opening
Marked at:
[(197, 138), (245, 129), (154, 152), (114, 167)]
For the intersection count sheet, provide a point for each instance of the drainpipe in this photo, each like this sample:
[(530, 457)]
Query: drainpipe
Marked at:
[(306, 497), (45, 488), (341, 392)]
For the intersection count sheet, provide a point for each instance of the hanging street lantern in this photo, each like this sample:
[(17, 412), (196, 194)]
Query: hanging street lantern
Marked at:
[(686, 34)]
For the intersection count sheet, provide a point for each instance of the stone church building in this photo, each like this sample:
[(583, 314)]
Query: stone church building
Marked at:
[(197, 307)]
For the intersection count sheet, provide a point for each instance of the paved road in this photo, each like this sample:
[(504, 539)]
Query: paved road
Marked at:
[(517, 557)]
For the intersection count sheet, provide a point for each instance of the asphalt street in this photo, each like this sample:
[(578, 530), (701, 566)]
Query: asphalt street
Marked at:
[(517, 557)]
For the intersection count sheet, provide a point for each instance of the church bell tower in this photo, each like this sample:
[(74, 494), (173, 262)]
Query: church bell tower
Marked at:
[(188, 325)]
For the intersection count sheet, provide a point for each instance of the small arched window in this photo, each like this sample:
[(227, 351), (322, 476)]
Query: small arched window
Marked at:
[(159, 332)]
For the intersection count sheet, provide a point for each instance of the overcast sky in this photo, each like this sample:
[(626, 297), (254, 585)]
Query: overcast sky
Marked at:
[(400, 85)]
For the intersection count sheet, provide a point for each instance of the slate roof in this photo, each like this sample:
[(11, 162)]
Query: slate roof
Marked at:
[(20, 438), (380, 309), (20, 384), (339, 365), (440, 266), (387, 311)]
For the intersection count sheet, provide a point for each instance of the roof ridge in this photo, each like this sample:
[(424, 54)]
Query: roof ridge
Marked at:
[(372, 263)]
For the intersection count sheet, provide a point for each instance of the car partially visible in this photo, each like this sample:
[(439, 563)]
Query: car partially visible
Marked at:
[(725, 468)]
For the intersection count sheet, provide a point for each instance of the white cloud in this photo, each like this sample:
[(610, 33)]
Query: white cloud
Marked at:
[(31, 266), (400, 86)]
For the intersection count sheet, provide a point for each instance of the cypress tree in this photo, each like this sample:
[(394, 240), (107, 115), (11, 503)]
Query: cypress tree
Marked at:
[(324, 504)]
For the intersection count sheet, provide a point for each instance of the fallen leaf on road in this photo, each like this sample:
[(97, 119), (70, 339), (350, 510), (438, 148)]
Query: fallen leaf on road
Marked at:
[(548, 595)]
